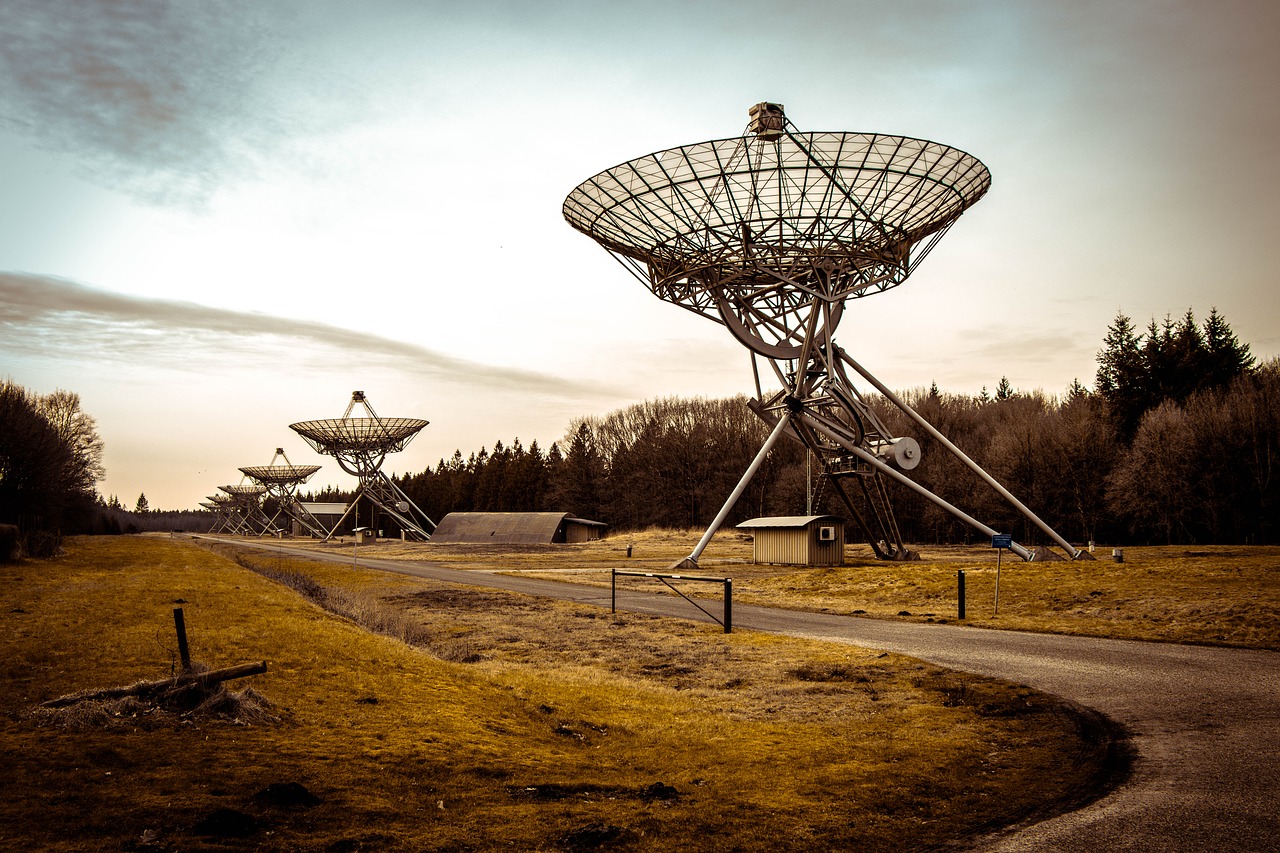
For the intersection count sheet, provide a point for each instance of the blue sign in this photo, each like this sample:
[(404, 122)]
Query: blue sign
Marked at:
[(1002, 540)]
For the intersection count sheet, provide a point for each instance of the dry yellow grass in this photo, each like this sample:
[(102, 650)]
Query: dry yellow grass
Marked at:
[(1219, 595), (569, 730), (1210, 595)]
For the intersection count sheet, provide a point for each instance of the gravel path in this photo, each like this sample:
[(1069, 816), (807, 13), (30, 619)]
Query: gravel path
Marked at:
[(1205, 722)]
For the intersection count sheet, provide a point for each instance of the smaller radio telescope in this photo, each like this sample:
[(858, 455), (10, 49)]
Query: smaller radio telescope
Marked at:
[(281, 483), (218, 505), (770, 234), (231, 517), (360, 445), (246, 502)]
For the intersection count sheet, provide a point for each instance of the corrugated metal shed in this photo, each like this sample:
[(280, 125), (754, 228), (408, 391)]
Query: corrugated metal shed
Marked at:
[(797, 540), (317, 508), (516, 528)]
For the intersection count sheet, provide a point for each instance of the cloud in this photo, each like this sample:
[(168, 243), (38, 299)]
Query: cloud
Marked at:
[(46, 316), (158, 99)]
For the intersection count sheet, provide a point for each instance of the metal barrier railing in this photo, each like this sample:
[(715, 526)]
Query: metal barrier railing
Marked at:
[(727, 583)]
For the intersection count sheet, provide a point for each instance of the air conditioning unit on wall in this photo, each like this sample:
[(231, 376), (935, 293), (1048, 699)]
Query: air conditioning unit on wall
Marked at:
[(826, 534)]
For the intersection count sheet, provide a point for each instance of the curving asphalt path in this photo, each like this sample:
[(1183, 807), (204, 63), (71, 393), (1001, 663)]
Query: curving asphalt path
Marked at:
[(1204, 722)]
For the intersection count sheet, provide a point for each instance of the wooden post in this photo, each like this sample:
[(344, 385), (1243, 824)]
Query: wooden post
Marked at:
[(960, 591), (183, 651)]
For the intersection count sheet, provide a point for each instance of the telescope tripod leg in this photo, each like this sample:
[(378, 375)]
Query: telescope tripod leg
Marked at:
[(691, 561)]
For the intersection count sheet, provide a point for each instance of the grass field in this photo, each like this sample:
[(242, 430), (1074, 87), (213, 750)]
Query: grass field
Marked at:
[(485, 721), (1216, 595)]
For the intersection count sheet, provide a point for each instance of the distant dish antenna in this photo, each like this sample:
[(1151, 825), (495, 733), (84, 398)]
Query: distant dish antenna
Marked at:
[(219, 506), (361, 444), (244, 509), (281, 482), (770, 234)]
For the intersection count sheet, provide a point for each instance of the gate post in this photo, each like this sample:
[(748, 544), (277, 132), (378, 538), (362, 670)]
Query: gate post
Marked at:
[(728, 605)]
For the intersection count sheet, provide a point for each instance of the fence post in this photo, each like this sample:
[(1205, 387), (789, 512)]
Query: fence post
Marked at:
[(613, 590), (183, 652), (960, 590), (728, 605)]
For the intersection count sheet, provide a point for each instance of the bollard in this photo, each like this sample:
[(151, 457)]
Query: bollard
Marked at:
[(628, 550), (1117, 555), (960, 591)]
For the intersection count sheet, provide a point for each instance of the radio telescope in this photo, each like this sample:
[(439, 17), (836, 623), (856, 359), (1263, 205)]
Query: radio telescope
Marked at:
[(770, 234), (231, 517), (219, 506), (360, 445), (245, 507), (281, 483)]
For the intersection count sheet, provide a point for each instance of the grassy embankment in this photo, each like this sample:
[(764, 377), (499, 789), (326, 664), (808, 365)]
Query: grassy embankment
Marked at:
[(1214, 595), (535, 725)]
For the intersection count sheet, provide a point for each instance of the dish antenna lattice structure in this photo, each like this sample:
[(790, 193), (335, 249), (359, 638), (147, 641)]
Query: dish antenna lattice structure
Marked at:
[(244, 509), (360, 444), (220, 506), (770, 234), (281, 482)]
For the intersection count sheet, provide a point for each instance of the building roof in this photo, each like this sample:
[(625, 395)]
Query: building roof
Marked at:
[(321, 508), (508, 528), (789, 521)]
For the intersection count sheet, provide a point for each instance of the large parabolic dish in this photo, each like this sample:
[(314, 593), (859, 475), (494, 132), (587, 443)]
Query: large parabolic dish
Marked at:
[(750, 230), (361, 444), (344, 437), (771, 233)]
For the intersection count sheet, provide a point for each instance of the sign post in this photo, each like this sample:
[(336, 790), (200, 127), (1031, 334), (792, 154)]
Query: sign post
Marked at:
[(1000, 541)]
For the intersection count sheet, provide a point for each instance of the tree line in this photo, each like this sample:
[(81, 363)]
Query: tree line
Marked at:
[(669, 462), (1176, 443)]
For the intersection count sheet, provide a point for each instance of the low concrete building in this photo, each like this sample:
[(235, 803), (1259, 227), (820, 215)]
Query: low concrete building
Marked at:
[(516, 528), (797, 540)]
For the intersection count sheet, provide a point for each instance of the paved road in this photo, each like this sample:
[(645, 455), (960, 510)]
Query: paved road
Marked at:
[(1205, 722)]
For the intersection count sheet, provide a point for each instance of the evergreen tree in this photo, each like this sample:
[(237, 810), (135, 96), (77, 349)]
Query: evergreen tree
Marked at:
[(1122, 377), (583, 477), (1225, 357), (142, 505), (1172, 361)]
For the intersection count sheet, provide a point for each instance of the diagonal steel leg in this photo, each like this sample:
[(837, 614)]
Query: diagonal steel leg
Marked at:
[(691, 561)]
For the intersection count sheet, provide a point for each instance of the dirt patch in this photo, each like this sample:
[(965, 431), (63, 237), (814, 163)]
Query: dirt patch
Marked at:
[(469, 599)]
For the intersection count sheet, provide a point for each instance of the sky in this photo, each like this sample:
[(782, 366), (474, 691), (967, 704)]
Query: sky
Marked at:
[(222, 218)]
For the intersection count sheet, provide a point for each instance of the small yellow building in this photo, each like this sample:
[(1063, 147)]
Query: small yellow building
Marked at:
[(797, 540)]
